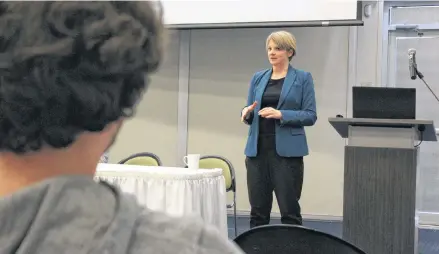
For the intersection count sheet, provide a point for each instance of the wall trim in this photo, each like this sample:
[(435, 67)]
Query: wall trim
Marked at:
[(183, 94), (352, 68), (380, 58), (321, 218), (328, 218)]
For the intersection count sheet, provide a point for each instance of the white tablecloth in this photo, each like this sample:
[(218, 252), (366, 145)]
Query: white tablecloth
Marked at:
[(175, 191)]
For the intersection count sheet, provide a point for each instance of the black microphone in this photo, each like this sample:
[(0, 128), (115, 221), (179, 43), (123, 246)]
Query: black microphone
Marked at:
[(412, 64), (413, 67)]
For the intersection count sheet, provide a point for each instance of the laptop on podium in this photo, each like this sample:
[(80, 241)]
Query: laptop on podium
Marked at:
[(384, 102)]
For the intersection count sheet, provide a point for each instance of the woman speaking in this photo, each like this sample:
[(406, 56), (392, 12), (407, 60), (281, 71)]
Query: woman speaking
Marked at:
[(281, 101)]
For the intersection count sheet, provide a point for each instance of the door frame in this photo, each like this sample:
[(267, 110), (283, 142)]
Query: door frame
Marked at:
[(390, 32)]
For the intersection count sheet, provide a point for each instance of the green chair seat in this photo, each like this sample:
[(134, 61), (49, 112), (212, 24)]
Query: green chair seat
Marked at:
[(211, 163), (214, 161), (142, 159)]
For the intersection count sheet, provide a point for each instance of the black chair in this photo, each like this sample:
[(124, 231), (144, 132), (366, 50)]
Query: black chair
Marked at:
[(289, 239)]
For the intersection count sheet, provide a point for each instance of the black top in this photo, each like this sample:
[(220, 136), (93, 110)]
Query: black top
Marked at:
[(270, 98)]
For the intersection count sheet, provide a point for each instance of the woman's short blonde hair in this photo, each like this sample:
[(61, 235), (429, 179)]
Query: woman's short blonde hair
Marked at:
[(284, 40)]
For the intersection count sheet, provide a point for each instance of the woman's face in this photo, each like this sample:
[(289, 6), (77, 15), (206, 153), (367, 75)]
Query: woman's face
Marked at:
[(277, 56)]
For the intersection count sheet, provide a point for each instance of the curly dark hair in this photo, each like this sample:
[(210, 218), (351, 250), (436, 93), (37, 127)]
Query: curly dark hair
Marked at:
[(71, 67)]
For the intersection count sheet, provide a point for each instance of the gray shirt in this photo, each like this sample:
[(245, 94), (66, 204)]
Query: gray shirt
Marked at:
[(76, 215)]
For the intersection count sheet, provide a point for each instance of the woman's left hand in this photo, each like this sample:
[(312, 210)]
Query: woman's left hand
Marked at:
[(270, 113)]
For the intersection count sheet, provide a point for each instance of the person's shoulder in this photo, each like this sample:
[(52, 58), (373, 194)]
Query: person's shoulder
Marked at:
[(304, 77), (260, 73), (302, 73), (160, 233)]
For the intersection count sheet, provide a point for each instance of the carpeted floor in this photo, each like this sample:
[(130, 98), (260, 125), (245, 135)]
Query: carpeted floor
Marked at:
[(428, 238)]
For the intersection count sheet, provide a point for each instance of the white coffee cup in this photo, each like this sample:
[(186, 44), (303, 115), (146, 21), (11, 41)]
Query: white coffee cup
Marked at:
[(192, 161)]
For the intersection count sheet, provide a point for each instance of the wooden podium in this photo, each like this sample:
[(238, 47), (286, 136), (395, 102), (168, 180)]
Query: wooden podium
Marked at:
[(380, 178)]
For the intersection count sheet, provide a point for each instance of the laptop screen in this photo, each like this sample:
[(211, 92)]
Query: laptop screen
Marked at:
[(384, 102)]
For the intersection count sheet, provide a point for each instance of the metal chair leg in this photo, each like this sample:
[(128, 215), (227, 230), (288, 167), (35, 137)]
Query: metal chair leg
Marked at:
[(234, 213)]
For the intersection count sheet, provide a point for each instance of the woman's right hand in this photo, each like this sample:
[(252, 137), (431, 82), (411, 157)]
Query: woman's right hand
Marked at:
[(245, 111)]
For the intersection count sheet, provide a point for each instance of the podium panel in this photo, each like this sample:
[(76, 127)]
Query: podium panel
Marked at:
[(380, 199), (366, 136), (380, 177)]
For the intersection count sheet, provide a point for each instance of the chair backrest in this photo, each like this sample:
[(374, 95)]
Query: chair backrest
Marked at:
[(142, 159), (215, 161), (289, 239)]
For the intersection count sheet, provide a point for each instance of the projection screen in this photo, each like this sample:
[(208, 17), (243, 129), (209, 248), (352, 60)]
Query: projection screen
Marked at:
[(261, 13)]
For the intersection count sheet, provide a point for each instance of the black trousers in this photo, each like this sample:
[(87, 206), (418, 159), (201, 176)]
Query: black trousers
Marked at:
[(268, 172)]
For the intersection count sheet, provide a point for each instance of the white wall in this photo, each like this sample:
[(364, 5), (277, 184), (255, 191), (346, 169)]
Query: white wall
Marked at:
[(154, 128)]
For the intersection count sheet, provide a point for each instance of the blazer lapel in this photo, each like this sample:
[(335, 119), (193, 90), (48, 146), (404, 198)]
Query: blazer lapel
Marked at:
[(288, 83), (260, 88)]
